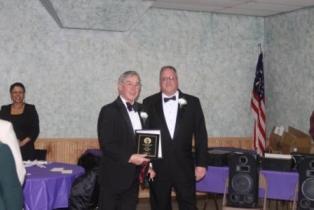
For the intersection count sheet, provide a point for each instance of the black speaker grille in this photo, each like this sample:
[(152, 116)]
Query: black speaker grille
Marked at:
[(242, 183), (305, 204), (307, 189)]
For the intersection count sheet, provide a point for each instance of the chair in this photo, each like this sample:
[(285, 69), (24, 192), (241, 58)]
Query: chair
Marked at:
[(262, 185), (85, 189), (40, 154), (295, 197), (289, 204)]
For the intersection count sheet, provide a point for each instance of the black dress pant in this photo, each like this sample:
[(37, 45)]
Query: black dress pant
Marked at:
[(160, 195), (124, 200)]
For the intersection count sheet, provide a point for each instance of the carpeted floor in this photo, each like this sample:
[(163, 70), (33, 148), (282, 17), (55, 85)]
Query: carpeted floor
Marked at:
[(211, 205), (202, 199)]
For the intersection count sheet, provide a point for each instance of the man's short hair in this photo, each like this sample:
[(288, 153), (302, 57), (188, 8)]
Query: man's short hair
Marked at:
[(127, 74), (168, 67)]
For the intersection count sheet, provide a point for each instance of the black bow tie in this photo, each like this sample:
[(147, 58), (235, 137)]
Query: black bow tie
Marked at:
[(131, 107), (170, 98)]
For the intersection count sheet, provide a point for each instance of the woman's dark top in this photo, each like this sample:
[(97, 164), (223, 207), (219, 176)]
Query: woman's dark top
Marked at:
[(25, 125)]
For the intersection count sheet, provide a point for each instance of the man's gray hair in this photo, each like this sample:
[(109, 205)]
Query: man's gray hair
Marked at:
[(127, 74)]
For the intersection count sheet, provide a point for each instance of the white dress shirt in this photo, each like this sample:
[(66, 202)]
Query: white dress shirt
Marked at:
[(170, 109), (134, 117), (8, 137)]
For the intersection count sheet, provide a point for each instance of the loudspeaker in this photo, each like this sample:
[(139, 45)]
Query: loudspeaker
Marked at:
[(243, 180), (306, 183)]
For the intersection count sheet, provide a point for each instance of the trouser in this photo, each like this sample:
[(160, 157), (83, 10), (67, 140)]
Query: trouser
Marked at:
[(160, 195), (125, 200)]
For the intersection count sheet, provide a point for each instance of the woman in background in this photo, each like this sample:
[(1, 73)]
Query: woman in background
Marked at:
[(24, 119)]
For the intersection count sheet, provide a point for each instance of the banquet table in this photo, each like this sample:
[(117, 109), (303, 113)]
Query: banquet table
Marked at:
[(47, 186), (281, 185)]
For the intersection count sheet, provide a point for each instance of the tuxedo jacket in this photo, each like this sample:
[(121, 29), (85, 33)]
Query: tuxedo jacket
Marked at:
[(7, 136), (117, 141), (178, 161)]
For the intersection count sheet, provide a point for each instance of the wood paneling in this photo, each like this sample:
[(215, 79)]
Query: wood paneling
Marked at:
[(68, 150)]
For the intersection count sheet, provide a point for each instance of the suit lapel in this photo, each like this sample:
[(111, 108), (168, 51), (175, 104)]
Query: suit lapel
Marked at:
[(160, 112), (179, 116), (139, 109), (125, 115)]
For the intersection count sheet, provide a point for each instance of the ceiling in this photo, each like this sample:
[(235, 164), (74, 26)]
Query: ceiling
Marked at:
[(241, 7), (122, 15)]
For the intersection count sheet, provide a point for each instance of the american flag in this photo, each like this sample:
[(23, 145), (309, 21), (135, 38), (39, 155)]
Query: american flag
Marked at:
[(258, 108)]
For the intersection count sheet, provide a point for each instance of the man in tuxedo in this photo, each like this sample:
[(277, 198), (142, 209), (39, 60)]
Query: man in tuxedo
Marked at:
[(180, 118), (119, 168)]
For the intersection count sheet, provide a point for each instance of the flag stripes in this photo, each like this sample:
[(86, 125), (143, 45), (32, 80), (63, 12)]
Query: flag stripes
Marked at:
[(258, 108)]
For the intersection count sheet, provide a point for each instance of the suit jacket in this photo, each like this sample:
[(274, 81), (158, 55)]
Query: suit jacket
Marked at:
[(7, 136), (117, 141), (178, 162), (11, 197)]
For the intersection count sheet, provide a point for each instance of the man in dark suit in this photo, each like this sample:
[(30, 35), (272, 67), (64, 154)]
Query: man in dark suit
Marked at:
[(119, 168), (180, 118)]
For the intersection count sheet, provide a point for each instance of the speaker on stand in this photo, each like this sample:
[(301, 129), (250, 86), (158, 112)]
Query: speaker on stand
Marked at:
[(243, 180), (305, 167)]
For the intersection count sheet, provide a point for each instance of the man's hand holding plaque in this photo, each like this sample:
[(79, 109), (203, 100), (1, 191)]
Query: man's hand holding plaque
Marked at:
[(149, 143)]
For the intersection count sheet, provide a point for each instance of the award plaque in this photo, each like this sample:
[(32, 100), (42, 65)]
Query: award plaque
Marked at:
[(148, 142)]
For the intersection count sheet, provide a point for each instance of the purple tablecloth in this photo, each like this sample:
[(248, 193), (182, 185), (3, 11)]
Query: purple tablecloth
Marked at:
[(281, 185), (46, 190)]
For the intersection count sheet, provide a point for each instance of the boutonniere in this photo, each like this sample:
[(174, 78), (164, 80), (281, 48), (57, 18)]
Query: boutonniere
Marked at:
[(182, 102), (144, 115)]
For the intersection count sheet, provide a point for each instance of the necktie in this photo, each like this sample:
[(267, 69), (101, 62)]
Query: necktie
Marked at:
[(129, 106), (170, 98)]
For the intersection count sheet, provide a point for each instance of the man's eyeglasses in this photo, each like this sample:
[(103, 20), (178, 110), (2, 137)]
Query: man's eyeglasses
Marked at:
[(164, 79)]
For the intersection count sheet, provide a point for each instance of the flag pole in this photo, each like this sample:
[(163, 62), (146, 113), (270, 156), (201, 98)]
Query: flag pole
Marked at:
[(260, 48)]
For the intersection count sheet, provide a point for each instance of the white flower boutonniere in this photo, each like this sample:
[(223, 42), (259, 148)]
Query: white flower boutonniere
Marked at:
[(144, 115), (182, 102)]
